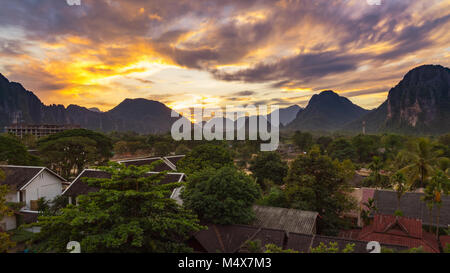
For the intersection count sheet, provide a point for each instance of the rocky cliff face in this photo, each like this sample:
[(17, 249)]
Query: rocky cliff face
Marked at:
[(420, 100), (419, 104)]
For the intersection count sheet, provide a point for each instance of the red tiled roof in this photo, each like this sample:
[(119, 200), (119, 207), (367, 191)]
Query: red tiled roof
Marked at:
[(403, 231)]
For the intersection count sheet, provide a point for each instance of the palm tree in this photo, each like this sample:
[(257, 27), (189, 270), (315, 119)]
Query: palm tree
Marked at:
[(438, 186), (398, 182), (422, 160), (443, 164), (376, 166)]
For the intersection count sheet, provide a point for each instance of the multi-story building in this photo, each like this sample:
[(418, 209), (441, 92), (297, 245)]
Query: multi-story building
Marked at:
[(39, 130)]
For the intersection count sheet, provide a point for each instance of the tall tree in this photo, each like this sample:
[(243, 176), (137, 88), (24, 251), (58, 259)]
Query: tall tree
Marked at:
[(317, 183), (342, 149), (439, 185), (376, 166), (13, 152), (205, 156), (366, 147), (398, 182), (68, 153), (393, 144), (74, 150), (422, 160), (102, 142), (303, 140), (324, 142), (268, 165), (222, 196), (132, 212)]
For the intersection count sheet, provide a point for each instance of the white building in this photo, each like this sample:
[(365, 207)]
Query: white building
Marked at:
[(28, 184)]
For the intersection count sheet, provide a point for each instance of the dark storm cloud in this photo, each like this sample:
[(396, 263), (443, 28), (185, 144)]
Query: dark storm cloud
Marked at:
[(365, 92), (245, 93), (11, 48), (340, 30), (305, 67)]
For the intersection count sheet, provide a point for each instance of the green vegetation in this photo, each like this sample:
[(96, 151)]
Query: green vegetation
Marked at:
[(303, 140), (74, 150), (255, 246), (268, 166), (13, 152), (423, 159), (317, 183), (398, 182), (221, 196), (5, 210), (438, 186), (205, 156), (411, 250), (332, 247), (132, 212)]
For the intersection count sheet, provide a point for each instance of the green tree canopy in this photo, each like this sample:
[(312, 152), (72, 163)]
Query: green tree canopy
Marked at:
[(422, 160), (132, 212), (303, 140), (102, 142), (5, 210), (205, 156), (13, 152), (324, 142), (342, 149), (268, 165), (366, 147), (221, 196), (74, 149), (317, 183), (67, 153), (332, 247)]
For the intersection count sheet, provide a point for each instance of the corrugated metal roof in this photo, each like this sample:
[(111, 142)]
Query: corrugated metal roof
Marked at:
[(412, 206), (232, 238), (162, 166), (18, 176), (290, 220)]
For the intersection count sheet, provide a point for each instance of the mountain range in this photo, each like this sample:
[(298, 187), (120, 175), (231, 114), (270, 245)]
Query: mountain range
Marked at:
[(18, 105), (418, 104)]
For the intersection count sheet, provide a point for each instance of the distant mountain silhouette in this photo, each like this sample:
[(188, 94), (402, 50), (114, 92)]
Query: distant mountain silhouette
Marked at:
[(94, 109), (18, 105), (287, 115), (326, 111), (419, 104)]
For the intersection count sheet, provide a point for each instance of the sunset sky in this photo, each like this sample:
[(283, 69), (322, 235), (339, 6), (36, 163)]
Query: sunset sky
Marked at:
[(183, 53)]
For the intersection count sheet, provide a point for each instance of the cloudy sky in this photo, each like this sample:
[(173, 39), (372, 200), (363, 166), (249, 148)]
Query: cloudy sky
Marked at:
[(184, 53)]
